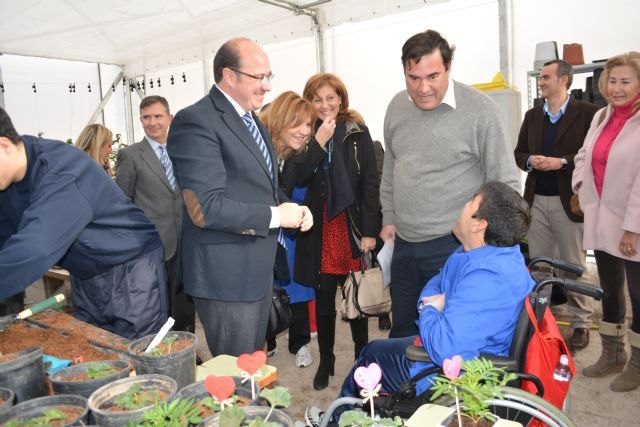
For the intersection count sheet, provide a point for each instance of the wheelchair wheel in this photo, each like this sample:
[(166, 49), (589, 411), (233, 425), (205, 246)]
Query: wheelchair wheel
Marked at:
[(523, 407)]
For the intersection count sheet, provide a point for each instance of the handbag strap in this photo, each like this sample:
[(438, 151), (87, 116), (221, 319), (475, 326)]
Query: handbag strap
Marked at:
[(374, 261), (532, 316)]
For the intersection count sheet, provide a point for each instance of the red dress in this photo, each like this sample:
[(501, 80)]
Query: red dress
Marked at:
[(336, 247)]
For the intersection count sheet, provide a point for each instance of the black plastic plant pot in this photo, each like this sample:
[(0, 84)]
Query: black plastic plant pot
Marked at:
[(180, 365), (36, 408), (277, 416), (103, 398), (61, 383), (7, 396), (197, 392), (24, 374)]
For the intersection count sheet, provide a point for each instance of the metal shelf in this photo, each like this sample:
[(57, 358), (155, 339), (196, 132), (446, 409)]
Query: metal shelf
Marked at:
[(577, 69)]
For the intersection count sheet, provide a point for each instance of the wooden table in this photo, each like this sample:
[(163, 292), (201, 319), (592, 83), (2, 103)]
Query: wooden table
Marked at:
[(54, 279)]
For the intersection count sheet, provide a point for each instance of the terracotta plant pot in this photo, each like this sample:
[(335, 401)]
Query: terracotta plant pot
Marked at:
[(70, 380)]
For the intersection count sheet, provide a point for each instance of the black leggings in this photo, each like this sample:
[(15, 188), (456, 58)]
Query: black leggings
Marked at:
[(612, 271)]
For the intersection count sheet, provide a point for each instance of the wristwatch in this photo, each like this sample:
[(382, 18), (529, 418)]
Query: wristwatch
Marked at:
[(564, 162)]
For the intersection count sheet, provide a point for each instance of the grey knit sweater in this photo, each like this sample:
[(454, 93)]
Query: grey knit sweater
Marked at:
[(435, 161)]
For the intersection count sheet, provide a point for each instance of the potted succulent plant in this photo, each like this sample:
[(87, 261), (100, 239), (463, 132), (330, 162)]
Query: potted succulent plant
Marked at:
[(85, 378)]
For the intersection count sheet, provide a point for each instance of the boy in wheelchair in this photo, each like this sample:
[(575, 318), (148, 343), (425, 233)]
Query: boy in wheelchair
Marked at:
[(473, 304)]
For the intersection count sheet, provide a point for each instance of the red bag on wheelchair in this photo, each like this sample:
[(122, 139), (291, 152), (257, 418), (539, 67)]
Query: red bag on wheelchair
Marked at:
[(543, 353)]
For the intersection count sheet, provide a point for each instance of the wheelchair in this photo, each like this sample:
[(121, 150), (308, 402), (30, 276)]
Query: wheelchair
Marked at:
[(517, 405)]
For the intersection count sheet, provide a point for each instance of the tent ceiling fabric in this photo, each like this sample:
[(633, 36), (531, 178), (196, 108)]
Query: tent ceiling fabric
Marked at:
[(148, 35)]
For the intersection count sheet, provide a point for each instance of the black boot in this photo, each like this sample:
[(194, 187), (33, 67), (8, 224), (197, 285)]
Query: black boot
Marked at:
[(359, 334), (326, 339)]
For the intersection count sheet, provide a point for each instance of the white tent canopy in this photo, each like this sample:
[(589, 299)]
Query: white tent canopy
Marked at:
[(165, 40), (148, 35)]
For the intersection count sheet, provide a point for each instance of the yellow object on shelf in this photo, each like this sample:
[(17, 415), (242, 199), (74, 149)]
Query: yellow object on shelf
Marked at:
[(498, 83)]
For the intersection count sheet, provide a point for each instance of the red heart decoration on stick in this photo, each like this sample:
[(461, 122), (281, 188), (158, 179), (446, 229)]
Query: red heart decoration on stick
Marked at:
[(251, 363), (219, 387)]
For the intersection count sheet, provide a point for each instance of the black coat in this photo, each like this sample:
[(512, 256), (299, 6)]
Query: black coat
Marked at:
[(356, 154)]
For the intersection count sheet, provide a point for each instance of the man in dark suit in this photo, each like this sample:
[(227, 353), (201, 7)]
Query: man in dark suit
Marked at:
[(550, 137), (226, 168), (145, 174)]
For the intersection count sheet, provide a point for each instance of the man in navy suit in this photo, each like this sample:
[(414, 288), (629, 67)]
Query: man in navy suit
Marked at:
[(224, 163), (145, 174)]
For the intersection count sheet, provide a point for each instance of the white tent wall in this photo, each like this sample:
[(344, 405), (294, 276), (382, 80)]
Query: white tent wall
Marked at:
[(53, 110), (365, 54)]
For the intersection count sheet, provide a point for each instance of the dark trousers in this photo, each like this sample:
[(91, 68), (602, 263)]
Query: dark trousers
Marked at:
[(612, 271), (390, 356), (235, 327), (181, 306), (412, 266), (326, 317)]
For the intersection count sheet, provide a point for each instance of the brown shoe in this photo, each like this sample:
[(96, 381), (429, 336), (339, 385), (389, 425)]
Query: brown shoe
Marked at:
[(579, 339)]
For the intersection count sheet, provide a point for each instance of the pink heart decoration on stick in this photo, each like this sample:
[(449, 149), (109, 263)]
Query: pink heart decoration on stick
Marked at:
[(451, 367), (368, 378), (220, 388), (251, 363)]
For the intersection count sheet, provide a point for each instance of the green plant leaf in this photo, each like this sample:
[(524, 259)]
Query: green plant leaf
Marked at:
[(277, 396), (231, 417), (99, 370)]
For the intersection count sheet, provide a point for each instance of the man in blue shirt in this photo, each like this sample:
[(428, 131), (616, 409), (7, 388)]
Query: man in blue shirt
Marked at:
[(472, 305), (57, 206)]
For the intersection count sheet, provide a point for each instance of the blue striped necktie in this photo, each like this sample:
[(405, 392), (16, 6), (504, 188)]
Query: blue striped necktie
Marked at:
[(168, 167), (253, 129)]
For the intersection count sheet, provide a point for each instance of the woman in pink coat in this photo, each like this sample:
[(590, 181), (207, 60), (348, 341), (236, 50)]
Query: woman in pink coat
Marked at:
[(607, 180)]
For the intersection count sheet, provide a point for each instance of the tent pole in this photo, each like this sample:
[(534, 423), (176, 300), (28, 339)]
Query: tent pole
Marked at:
[(105, 99), (305, 9), (504, 22), (2, 90)]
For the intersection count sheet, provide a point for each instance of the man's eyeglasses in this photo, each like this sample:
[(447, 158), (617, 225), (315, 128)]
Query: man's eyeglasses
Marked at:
[(263, 78)]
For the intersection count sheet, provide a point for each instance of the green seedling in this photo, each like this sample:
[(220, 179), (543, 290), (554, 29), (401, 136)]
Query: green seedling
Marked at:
[(99, 370), (168, 342), (45, 420), (361, 418), (179, 413), (136, 398)]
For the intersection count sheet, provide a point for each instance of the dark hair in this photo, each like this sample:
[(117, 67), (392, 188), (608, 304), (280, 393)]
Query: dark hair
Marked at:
[(226, 57), (506, 213), (424, 43), (564, 69), (6, 128), (153, 99)]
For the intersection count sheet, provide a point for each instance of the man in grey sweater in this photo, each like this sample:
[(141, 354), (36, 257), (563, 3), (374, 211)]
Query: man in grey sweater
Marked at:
[(443, 140)]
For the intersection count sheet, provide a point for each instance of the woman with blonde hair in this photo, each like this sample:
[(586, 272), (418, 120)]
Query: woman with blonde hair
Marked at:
[(96, 140), (343, 196), (607, 180), (289, 119)]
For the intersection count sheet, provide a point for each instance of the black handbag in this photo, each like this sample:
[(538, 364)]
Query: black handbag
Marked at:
[(281, 316)]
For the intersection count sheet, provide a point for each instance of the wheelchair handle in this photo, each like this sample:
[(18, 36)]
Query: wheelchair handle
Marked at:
[(572, 286), (558, 263)]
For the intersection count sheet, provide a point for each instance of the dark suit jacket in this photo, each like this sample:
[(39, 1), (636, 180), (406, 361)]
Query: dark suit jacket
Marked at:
[(573, 129), (141, 176), (228, 250)]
